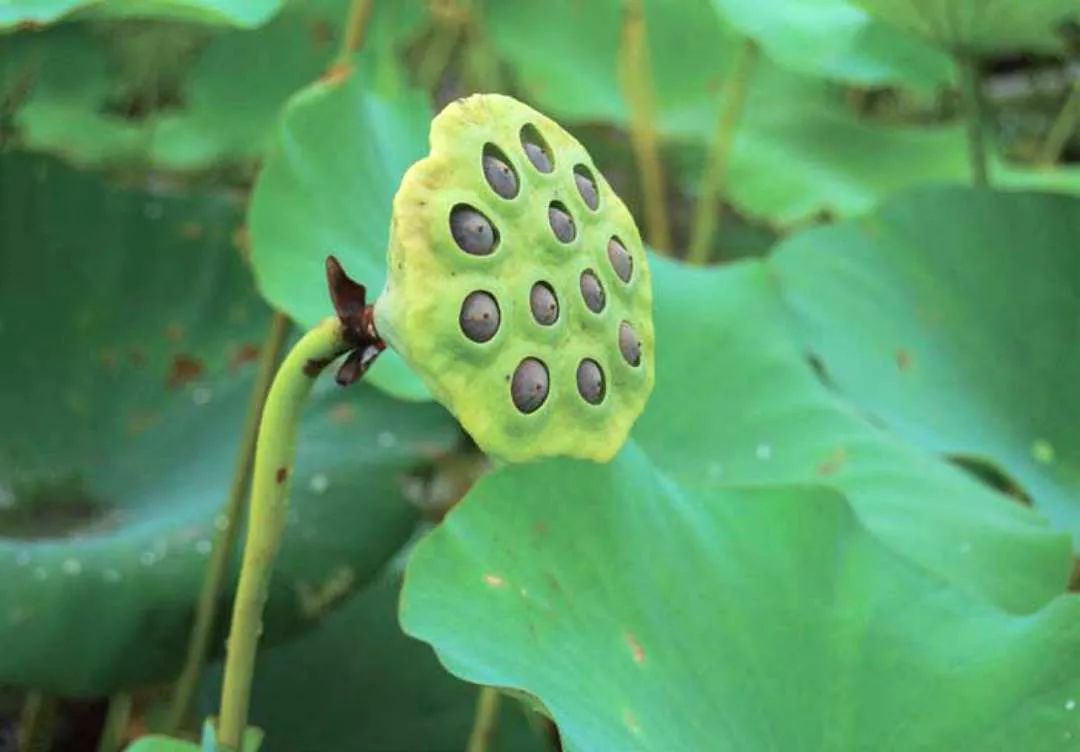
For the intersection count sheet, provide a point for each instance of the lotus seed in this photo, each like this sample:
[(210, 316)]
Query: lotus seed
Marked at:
[(562, 224), (586, 187), (620, 259), (500, 175), (590, 381), (472, 231), (592, 291), (479, 316), (535, 149), (529, 387), (544, 304), (629, 344)]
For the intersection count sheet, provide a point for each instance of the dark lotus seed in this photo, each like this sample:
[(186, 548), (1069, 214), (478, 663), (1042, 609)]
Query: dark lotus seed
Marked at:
[(479, 317), (592, 291), (586, 187), (529, 387), (590, 381), (562, 224), (620, 259), (500, 175), (629, 344), (536, 149), (472, 231), (544, 304)]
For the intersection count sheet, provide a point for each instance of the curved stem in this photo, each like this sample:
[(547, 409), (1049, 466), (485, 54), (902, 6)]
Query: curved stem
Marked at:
[(355, 27), (486, 720), (206, 611), (969, 86), (116, 723), (1064, 125), (706, 212), (274, 454), (37, 722), (635, 77)]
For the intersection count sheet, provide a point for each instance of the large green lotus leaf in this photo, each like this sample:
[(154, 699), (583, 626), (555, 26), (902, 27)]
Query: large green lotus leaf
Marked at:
[(983, 25), (233, 12), (837, 39), (647, 615), (130, 327), (760, 415), (327, 188), (229, 93), (357, 683), (953, 315)]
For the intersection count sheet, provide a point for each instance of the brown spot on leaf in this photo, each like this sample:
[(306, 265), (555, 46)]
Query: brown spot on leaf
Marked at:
[(636, 650), (109, 359), (631, 722), (343, 412), (191, 231), (140, 422), (175, 332), (184, 370), (338, 73), (904, 359), (494, 580), (322, 33), (241, 239), (246, 353), (833, 463), (281, 474), (540, 527)]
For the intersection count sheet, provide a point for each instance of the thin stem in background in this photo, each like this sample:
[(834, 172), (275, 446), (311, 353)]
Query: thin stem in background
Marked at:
[(486, 721), (713, 182), (116, 723), (217, 569), (969, 88), (275, 451), (37, 722), (356, 24), (635, 76), (1062, 129)]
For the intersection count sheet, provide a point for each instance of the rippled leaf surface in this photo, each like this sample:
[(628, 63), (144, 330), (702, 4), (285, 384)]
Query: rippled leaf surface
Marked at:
[(953, 315), (654, 616)]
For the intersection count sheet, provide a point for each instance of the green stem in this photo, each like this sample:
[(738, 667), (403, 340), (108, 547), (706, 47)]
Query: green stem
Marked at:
[(116, 723), (635, 77), (1063, 127), (274, 454), (37, 722), (486, 721), (206, 612), (356, 23), (969, 86), (436, 58), (706, 212)]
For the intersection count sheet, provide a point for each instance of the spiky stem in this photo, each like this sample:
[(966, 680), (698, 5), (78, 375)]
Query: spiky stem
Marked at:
[(274, 455)]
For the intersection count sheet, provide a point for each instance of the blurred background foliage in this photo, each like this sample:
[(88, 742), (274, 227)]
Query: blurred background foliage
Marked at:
[(882, 351)]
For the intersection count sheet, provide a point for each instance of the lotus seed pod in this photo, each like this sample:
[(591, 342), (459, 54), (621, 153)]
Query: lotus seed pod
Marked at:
[(518, 286)]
